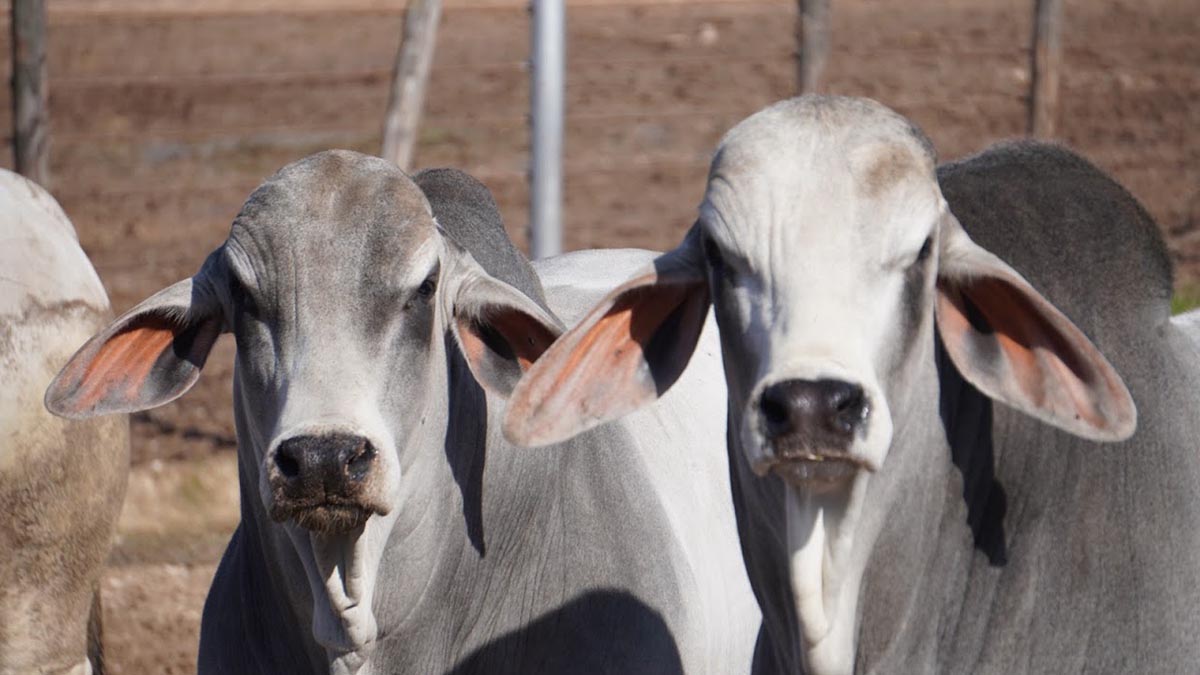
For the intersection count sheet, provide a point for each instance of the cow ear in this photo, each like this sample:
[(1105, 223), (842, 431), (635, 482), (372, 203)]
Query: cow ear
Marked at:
[(1015, 347), (624, 354), (500, 330), (149, 356)]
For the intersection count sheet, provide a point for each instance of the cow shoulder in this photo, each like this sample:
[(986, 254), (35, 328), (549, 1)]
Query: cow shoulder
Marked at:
[(679, 442), (1087, 245), (574, 282)]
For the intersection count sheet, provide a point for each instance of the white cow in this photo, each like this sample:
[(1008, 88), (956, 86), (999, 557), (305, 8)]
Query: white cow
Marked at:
[(61, 482), (893, 520)]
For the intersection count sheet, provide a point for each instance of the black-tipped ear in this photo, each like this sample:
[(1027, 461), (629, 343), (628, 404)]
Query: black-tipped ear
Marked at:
[(1011, 343), (147, 357), (625, 353)]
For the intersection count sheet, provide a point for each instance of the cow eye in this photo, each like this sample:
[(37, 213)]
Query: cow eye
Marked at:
[(426, 289), (926, 249), (243, 301), (713, 255)]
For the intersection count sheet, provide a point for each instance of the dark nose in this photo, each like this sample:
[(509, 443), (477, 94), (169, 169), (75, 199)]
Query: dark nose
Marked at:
[(825, 413), (320, 467)]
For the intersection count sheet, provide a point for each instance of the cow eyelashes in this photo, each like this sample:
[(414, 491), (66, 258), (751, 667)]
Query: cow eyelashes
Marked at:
[(428, 287), (724, 270), (713, 255), (926, 249), (243, 302), (715, 261), (424, 292)]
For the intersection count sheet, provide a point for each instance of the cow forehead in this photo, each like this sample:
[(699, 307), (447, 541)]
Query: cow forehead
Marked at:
[(336, 210), (822, 172), (811, 123)]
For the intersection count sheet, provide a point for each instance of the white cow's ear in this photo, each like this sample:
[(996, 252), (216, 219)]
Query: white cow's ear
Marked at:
[(624, 354), (500, 331), (149, 356), (1014, 346)]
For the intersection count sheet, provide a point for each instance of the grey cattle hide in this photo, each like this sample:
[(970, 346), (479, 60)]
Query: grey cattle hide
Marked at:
[(386, 525), (62, 482), (951, 534)]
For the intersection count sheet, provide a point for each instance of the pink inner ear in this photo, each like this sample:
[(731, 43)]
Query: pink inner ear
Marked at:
[(613, 349), (1048, 364), (526, 337), (124, 362), (608, 365)]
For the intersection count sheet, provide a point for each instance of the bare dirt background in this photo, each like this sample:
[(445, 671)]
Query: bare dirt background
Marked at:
[(166, 113)]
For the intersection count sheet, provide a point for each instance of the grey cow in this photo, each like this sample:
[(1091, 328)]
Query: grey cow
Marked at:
[(62, 482), (386, 526), (893, 519)]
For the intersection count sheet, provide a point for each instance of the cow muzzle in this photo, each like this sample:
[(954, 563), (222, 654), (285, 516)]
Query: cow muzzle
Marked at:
[(324, 482), (812, 429)]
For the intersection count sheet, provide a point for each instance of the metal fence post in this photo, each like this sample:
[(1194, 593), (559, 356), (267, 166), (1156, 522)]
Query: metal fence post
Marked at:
[(546, 133)]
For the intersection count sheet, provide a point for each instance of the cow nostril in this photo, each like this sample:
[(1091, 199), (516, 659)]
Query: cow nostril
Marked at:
[(288, 466), (851, 409), (775, 413), (359, 461)]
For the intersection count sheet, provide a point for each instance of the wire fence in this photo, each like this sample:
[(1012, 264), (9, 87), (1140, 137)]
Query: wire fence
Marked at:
[(200, 141)]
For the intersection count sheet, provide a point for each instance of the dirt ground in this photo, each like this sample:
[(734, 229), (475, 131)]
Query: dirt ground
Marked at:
[(165, 116)]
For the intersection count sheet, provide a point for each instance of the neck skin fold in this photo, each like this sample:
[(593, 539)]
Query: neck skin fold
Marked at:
[(340, 572), (826, 566), (832, 538)]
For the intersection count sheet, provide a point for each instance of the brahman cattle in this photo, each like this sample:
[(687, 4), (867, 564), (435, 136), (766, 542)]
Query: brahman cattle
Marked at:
[(386, 525), (62, 482), (872, 310)]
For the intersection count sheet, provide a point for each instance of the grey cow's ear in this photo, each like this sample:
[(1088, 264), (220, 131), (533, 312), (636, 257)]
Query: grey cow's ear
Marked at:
[(500, 330), (149, 356), (624, 354), (1017, 348)]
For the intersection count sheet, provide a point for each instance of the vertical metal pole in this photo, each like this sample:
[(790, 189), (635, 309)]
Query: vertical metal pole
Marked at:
[(30, 136), (546, 134)]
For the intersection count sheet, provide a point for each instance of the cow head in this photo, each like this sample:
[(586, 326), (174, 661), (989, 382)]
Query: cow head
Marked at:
[(830, 257), (342, 295)]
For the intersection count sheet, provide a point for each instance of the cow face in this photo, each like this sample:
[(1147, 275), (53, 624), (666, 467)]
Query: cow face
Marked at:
[(819, 252), (829, 256), (343, 296)]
